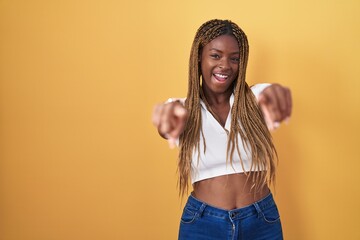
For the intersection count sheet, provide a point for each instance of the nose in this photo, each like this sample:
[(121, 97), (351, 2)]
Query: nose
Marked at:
[(224, 64)]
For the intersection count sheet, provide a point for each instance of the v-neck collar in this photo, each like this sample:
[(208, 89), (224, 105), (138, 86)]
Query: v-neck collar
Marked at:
[(217, 125)]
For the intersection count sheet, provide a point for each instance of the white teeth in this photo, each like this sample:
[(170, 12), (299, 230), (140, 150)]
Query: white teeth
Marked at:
[(221, 75)]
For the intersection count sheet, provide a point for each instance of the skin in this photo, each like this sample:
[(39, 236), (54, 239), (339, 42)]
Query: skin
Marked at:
[(219, 68)]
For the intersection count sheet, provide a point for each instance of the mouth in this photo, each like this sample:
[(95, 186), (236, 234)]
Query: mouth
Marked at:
[(221, 77)]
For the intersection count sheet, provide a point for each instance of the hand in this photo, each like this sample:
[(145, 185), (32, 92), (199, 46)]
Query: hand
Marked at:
[(276, 103), (170, 118)]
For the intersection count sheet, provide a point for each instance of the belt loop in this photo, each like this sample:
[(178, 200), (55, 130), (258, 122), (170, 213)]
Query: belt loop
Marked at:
[(257, 207), (201, 210)]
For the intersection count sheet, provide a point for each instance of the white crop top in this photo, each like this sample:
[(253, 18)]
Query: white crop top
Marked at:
[(212, 163)]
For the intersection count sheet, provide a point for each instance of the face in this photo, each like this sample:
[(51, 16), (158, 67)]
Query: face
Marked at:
[(220, 64)]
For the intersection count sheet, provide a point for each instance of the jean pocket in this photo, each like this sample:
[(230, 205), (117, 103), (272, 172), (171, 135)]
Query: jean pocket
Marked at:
[(271, 215), (189, 214)]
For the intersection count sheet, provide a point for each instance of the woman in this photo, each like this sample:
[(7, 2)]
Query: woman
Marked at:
[(226, 150)]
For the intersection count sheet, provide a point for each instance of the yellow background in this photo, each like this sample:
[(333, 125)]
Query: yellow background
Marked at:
[(79, 158)]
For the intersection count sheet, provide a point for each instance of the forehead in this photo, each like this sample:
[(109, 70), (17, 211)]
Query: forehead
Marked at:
[(223, 43)]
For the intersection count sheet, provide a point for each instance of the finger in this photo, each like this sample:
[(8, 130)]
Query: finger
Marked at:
[(177, 121), (268, 121), (173, 119), (270, 103), (289, 103), (172, 142), (280, 96), (274, 104), (165, 124), (180, 120), (179, 110)]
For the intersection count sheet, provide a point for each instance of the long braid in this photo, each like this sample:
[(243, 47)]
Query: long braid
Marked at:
[(246, 117)]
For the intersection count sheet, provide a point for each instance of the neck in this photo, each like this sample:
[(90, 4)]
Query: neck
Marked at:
[(217, 98)]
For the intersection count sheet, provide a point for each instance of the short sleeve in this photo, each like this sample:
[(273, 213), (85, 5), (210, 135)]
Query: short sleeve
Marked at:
[(258, 88)]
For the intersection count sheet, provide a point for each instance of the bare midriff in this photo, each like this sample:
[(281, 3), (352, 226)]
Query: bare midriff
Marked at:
[(228, 192)]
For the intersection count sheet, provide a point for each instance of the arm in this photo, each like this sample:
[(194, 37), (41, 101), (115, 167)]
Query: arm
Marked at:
[(275, 101), (170, 118)]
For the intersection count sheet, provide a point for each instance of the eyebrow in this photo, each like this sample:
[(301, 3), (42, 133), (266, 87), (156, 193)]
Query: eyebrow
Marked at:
[(222, 51)]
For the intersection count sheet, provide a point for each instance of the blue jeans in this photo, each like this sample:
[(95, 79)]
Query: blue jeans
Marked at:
[(259, 220)]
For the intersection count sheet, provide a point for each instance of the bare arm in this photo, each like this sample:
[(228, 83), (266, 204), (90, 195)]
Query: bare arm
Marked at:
[(276, 103), (169, 118)]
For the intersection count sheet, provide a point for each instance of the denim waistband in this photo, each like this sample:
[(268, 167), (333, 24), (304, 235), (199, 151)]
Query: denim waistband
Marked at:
[(253, 209)]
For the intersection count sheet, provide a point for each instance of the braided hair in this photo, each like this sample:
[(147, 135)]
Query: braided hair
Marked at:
[(246, 116)]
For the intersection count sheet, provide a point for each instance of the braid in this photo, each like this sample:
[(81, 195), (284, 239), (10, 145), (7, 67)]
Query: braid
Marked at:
[(246, 117)]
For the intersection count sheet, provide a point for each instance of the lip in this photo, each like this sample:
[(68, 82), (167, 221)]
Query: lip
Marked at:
[(221, 77)]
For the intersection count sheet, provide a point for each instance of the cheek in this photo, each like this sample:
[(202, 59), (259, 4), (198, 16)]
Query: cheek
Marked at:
[(204, 68), (206, 72), (207, 65), (236, 69)]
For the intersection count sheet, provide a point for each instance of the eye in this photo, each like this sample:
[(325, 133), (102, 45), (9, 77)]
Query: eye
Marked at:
[(215, 56), (235, 59)]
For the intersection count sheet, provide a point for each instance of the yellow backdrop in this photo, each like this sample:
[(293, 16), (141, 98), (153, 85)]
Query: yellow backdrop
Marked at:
[(79, 158)]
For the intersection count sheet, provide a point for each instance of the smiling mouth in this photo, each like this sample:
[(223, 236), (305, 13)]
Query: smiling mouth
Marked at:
[(220, 77)]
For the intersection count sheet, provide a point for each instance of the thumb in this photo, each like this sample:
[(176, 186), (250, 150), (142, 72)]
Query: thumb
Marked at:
[(179, 111)]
